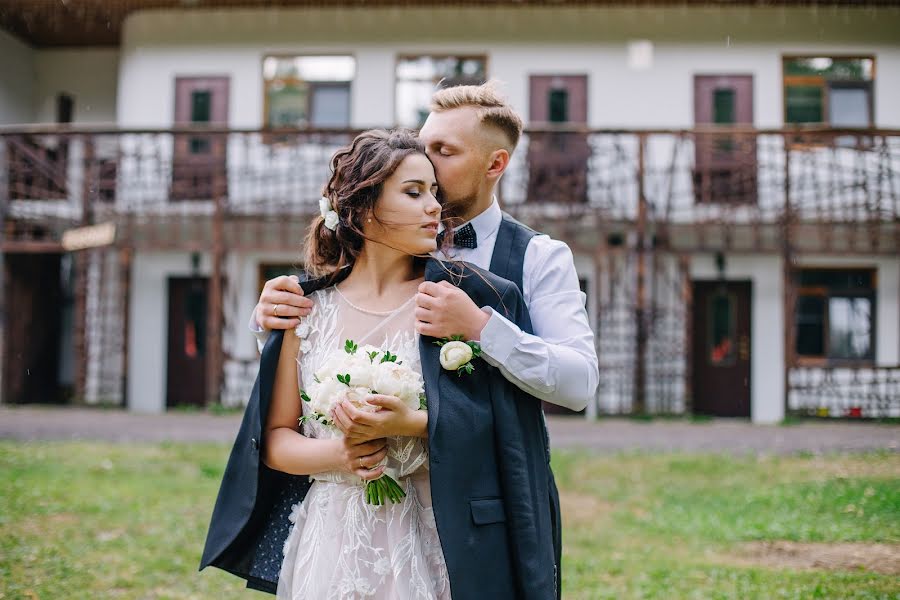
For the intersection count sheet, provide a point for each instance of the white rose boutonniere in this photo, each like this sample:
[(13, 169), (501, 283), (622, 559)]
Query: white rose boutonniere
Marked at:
[(457, 354)]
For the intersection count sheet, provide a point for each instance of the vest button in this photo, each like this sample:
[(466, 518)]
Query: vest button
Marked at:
[(254, 444)]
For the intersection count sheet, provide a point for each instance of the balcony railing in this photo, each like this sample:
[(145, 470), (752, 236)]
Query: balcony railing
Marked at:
[(675, 182)]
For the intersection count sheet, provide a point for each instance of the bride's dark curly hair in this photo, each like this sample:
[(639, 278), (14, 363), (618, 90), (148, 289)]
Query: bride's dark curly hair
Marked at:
[(358, 175)]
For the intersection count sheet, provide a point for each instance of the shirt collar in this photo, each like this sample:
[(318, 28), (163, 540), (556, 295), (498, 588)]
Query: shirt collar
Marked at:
[(487, 223)]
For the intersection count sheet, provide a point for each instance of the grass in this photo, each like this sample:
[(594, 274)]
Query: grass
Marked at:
[(94, 520)]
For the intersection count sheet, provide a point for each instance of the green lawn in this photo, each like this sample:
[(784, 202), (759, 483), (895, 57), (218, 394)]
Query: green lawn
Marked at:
[(92, 520)]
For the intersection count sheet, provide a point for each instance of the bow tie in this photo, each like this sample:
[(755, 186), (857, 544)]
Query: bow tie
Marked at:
[(464, 237)]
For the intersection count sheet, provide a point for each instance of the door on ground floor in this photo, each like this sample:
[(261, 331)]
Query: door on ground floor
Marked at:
[(721, 348), (37, 329), (186, 362)]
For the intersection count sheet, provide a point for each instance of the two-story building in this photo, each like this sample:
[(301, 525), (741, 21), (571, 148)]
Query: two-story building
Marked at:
[(726, 174)]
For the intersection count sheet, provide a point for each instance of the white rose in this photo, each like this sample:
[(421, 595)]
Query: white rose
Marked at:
[(331, 220), (455, 354)]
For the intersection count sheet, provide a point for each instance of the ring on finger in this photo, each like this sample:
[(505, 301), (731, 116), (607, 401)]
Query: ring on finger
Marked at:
[(360, 462), (275, 310)]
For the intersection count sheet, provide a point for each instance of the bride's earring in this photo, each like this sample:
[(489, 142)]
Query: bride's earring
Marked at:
[(368, 220)]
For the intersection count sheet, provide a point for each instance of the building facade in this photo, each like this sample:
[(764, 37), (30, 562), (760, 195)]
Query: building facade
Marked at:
[(728, 178)]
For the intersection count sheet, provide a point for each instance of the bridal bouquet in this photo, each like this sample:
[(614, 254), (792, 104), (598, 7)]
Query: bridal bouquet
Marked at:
[(353, 374)]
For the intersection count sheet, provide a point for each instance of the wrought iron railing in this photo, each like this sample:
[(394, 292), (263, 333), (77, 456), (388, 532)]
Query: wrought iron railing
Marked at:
[(686, 185)]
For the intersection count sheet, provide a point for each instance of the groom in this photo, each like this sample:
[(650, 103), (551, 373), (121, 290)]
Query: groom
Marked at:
[(470, 137)]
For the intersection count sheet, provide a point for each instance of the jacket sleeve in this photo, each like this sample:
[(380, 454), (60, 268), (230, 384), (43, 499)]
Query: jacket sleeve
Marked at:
[(522, 457)]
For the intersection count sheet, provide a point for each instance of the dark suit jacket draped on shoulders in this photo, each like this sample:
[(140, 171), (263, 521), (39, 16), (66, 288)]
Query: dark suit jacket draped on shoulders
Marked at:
[(488, 460)]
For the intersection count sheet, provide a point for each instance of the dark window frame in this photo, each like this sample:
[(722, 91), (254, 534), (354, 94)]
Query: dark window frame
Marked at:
[(826, 293)]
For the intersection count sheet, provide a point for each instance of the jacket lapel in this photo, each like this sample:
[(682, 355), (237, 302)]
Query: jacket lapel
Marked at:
[(430, 358)]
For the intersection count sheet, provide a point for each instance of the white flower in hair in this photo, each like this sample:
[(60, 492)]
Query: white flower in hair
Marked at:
[(331, 220), (328, 213)]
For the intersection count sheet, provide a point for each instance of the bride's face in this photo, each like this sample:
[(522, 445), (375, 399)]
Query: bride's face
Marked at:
[(406, 215)]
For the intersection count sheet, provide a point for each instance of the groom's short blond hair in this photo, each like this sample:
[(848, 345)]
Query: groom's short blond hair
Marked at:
[(491, 106)]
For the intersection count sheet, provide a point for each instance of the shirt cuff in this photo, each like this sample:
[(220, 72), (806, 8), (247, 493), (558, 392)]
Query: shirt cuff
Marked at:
[(254, 324), (499, 337)]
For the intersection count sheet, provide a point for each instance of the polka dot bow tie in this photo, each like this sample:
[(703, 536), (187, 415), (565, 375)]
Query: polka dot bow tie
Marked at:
[(464, 237)]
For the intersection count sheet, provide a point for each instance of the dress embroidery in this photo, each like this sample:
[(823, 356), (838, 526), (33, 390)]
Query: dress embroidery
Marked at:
[(340, 547)]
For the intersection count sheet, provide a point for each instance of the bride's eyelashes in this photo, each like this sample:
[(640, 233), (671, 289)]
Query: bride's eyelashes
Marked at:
[(416, 193)]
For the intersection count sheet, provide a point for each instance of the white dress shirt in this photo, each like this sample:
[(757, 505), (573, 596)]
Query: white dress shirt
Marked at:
[(559, 362)]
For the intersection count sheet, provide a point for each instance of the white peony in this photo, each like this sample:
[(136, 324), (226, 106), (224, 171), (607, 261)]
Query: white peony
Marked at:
[(322, 396), (357, 397), (455, 354), (394, 379), (333, 365)]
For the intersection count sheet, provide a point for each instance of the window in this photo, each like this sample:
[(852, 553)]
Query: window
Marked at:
[(835, 91), (835, 314), (720, 343), (419, 76), (307, 91), (558, 105)]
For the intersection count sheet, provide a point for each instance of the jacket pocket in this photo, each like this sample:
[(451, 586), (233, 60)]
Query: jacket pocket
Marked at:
[(487, 510)]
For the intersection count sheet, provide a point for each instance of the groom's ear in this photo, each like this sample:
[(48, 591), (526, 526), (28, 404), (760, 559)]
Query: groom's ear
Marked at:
[(499, 160)]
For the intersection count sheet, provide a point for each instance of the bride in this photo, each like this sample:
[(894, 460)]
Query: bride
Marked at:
[(379, 224)]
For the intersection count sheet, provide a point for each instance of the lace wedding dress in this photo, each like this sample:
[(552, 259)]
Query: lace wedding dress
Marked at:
[(340, 547)]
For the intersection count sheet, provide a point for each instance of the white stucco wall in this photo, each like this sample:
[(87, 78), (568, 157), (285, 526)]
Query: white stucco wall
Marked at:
[(766, 327), (148, 319), (159, 45), (89, 75), (17, 81)]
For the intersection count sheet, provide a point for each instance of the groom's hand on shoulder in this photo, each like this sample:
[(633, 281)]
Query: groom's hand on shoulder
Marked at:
[(281, 304), (444, 310)]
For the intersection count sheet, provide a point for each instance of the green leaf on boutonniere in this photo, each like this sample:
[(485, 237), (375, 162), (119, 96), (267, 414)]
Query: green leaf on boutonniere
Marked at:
[(350, 347), (304, 397), (466, 368), (423, 403), (388, 357), (372, 355), (345, 379)]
